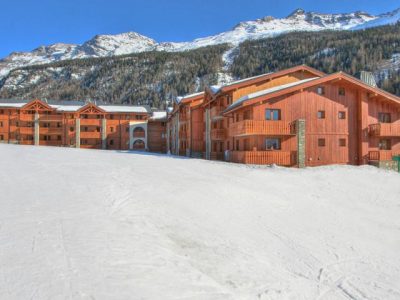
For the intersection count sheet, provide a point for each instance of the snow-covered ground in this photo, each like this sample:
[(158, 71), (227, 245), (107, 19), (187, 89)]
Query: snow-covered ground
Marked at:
[(83, 224)]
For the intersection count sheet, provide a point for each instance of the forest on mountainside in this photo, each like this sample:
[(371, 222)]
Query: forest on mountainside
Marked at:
[(155, 78)]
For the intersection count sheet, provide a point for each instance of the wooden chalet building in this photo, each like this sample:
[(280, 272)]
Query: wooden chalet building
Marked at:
[(295, 117), (80, 125)]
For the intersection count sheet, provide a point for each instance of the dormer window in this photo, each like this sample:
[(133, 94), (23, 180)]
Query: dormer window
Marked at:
[(321, 90)]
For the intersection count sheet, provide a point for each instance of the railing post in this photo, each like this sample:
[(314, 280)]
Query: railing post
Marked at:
[(301, 143), (104, 133)]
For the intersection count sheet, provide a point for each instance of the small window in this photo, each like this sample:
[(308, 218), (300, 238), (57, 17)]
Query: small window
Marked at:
[(321, 142), (273, 114), (139, 117), (1, 112), (111, 129), (71, 129), (321, 114), (247, 115), (237, 145), (58, 124), (111, 142), (320, 90), (1, 124), (384, 117), (273, 144), (1, 137), (342, 115), (342, 91), (342, 142), (17, 124), (385, 144), (98, 129), (237, 117), (111, 117), (58, 137), (83, 142), (86, 129)]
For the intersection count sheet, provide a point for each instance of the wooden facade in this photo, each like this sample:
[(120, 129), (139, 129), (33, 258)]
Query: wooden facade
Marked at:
[(81, 125), (256, 120)]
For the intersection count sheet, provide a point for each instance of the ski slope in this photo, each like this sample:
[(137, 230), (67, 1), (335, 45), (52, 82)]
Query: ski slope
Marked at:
[(91, 224)]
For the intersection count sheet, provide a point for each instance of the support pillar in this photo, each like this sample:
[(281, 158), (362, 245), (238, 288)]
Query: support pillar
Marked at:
[(301, 143), (77, 132), (208, 137), (104, 133), (36, 136), (168, 137), (177, 132)]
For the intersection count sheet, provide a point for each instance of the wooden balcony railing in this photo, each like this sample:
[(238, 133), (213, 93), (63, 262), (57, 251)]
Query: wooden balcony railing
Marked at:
[(51, 118), (217, 156), (91, 122), (282, 158), (50, 130), (90, 135), (384, 129), (383, 154), (25, 117), (250, 127), (218, 134), (26, 130), (216, 112)]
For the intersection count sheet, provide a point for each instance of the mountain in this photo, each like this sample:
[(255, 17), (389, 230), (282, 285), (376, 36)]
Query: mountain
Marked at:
[(132, 42)]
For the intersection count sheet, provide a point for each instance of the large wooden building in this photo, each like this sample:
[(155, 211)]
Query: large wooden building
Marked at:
[(295, 117), (82, 125)]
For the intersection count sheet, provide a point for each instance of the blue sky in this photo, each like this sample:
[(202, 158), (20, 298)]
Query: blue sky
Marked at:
[(26, 24)]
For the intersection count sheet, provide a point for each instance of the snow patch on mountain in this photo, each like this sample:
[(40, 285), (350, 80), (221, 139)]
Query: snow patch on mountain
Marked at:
[(384, 19)]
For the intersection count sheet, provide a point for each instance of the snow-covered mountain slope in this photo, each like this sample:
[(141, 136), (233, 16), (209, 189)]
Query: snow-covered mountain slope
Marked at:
[(384, 19), (91, 224), (131, 42)]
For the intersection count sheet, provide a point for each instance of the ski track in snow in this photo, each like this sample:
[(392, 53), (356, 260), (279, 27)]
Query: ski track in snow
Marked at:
[(91, 224)]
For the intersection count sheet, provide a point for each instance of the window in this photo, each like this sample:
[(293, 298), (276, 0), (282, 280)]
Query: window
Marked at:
[(1, 112), (342, 91), (320, 90), (321, 142), (237, 117), (71, 129), (1, 137), (58, 137), (237, 145), (111, 117), (58, 124), (83, 142), (321, 114), (273, 114), (342, 115), (86, 129), (1, 124), (342, 142), (139, 117), (273, 144), (111, 142), (385, 144), (111, 129), (98, 129), (384, 117), (17, 124)]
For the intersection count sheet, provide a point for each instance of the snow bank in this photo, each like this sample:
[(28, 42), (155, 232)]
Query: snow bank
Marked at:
[(82, 224)]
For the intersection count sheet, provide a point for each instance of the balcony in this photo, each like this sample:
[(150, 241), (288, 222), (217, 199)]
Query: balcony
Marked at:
[(90, 135), (51, 118), (282, 158), (384, 129), (25, 117), (218, 134), (383, 154), (51, 130), (26, 130), (91, 122), (216, 113), (250, 127)]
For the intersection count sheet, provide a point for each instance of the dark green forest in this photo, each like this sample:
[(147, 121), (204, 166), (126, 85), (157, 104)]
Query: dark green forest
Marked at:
[(154, 78)]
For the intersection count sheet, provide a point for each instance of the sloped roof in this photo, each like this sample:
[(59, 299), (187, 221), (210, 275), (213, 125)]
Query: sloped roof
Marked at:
[(289, 88)]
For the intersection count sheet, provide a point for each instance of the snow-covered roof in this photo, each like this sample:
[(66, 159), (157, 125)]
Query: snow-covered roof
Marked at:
[(72, 106), (159, 115), (16, 105), (124, 108), (268, 91), (216, 88), (181, 98)]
